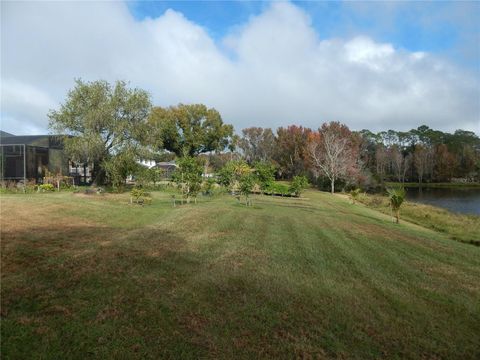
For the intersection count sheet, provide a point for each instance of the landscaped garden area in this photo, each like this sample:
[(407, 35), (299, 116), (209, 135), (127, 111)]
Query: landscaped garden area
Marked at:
[(96, 276)]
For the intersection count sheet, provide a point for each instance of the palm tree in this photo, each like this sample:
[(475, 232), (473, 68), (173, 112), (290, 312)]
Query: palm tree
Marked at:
[(354, 194), (396, 197)]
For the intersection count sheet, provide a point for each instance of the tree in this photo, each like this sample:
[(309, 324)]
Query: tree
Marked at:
[(381, 161), (189, 129), (421, 153), (100, 121), (369, 143), (422, 159), (291, 150), (246, 184), (445, 163), (469, 161), (265, 174), (399, 162), (230, 174), (118, 167), (257, 144), (188, 176), (396, 198), (147, 175), (332, 152)]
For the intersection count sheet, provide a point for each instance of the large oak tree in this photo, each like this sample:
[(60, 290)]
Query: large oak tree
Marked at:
[(189, 129), (100, 122)]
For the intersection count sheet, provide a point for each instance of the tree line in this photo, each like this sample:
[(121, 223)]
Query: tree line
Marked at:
[(112, 126)]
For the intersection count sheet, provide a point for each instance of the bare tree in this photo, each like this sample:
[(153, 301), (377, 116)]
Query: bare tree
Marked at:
[(396, 161), (423, 160), (407, 164), (332, 152), (381, 160)]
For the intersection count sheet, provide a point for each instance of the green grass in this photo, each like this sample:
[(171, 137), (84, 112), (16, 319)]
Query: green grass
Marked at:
[(94, 277), (460, 227)]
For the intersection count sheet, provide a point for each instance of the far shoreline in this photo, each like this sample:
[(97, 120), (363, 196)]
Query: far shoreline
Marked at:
[(474, 185)]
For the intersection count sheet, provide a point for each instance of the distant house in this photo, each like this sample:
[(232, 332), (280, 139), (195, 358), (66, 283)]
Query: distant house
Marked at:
[(28, 157), (167, 167), (148, 163)]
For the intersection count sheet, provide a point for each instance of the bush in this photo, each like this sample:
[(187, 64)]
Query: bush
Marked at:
[(299, 183), (208, 187), (139, 196), (278, 189), (46, 187)]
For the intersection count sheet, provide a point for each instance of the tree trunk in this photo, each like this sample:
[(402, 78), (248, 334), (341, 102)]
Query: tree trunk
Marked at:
[(397, 216), (332, 183), (98, 175)]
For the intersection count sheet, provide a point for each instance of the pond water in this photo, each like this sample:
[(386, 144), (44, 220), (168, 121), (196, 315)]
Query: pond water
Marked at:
[(459, 200)]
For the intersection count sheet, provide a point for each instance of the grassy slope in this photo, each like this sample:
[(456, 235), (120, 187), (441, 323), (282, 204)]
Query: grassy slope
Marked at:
[(460, 227), (95, 277)]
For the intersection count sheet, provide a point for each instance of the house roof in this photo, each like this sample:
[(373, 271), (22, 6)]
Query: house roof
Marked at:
[(48, 141), (164, 164), (5, 134)]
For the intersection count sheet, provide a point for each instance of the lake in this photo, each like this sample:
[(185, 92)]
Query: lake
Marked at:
[(459, 200)]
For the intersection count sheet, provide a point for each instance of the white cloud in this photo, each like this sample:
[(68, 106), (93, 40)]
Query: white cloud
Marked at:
[(277, 70)]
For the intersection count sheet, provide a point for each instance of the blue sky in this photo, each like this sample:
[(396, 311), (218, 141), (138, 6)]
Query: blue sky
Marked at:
[(440, 27), (376, 65)]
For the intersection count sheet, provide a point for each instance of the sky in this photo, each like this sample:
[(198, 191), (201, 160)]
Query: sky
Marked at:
[(376, 65)]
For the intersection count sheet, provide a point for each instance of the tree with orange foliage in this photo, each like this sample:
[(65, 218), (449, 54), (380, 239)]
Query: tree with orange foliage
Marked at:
[(290, 150)]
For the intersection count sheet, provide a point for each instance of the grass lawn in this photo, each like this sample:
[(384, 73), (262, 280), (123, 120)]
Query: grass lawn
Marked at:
[(94, 277), (460, 227)]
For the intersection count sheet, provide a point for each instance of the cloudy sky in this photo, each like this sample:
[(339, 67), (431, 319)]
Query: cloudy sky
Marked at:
[(369, 65)]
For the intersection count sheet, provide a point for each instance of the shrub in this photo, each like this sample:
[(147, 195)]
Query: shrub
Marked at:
[(46, 187), (139, 196), (299, 183), (208, 186), (278, 189)]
